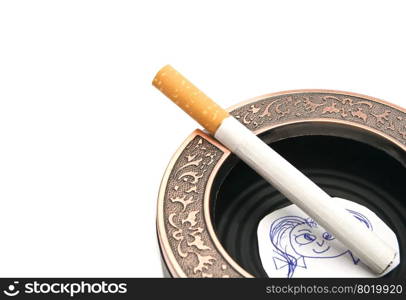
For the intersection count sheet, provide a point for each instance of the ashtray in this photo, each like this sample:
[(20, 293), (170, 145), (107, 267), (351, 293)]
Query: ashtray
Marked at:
[(210, 203)]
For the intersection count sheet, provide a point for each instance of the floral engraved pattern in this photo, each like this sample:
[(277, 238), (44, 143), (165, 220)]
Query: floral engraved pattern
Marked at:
[(185, 225), (296, 106), (183, 202)]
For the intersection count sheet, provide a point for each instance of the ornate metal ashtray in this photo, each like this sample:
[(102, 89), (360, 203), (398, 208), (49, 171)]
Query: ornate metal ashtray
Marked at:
[(210, 203)]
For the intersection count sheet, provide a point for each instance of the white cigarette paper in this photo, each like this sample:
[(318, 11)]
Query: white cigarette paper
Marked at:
[(303, 192)]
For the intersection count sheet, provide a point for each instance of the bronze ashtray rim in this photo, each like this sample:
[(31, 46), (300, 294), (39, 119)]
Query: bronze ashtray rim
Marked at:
[(170, 260)]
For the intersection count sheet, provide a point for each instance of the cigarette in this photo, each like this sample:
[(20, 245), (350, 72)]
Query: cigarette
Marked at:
[(299, 189)]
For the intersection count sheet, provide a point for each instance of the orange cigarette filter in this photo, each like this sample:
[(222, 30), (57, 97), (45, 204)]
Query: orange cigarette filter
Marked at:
[(188, 97)]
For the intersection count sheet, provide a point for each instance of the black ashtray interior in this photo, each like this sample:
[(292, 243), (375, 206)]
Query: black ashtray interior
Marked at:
[(347, 162)]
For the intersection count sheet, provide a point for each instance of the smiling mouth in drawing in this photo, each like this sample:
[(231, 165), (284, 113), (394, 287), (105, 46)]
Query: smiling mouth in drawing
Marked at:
[(318, 252)]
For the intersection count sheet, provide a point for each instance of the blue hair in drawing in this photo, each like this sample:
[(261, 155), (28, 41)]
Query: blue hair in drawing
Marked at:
[(296, 239)]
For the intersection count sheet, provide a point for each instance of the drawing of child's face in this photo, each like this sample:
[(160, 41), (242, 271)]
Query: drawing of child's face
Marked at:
[(313, 241)]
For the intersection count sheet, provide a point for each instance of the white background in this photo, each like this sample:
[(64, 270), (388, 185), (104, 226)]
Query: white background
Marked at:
[(85, 138)]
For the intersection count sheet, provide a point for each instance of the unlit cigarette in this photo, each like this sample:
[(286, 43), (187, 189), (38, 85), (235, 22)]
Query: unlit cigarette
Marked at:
[(299, 189)]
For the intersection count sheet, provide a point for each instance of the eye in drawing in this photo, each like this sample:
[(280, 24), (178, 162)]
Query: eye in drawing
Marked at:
[(305, 238), (328, 236)]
